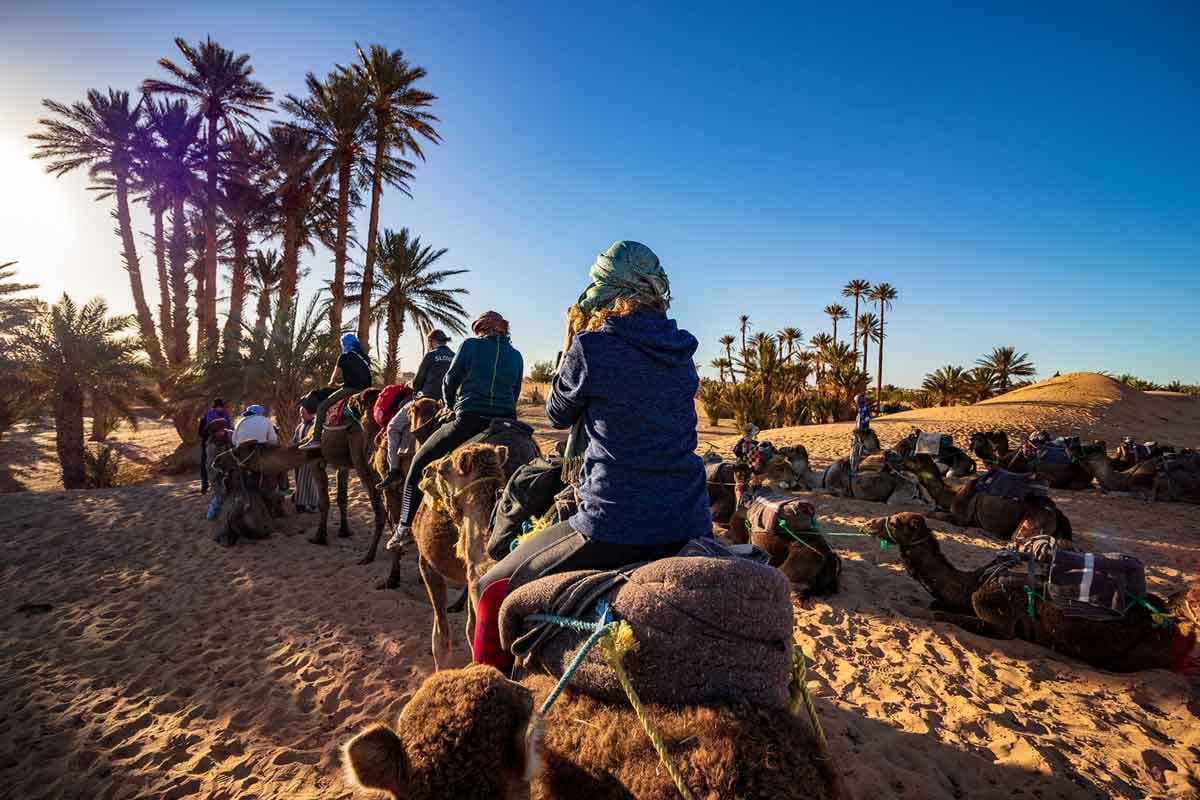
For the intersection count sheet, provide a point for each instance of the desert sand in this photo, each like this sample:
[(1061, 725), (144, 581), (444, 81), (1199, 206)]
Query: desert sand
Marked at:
[(142, 660)]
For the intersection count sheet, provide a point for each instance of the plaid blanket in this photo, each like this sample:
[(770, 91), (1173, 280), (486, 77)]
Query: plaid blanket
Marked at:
[(768, 508)]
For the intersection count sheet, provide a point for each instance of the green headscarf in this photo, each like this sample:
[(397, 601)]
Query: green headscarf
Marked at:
[(627, 269), (630, 270)]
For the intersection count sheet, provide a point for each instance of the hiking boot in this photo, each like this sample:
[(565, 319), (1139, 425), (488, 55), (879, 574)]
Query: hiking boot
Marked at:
[(393, 477), (402, 535), (311, 444)]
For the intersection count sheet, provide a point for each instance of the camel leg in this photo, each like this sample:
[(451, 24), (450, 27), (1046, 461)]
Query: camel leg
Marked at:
[(343, 495), (366, 476), (968, 622), (392, 581), (322, 478), (435, 586)]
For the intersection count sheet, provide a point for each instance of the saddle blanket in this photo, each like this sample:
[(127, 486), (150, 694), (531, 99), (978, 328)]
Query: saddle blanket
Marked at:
[(335, 413), (768, 508), (720, 472), (1098, 586), (709, 630), (1012, 485), (934, 444)]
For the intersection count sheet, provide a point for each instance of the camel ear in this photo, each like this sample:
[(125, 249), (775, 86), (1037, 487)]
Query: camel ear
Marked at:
[(464, 460), (375, 760), (501, 455)]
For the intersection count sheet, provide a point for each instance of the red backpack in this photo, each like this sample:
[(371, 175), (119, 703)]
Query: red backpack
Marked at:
[(389, 401)]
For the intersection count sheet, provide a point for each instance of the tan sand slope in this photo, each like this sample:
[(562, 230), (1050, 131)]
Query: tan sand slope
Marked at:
[(141, 660)]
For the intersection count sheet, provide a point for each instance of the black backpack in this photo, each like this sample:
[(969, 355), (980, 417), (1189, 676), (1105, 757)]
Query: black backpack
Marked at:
[(529, 494)]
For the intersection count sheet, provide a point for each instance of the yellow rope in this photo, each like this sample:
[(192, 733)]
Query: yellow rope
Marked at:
[(539, 524), (800, 697), (616, 644)]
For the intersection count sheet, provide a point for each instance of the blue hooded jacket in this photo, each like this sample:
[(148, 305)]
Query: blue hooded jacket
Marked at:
[(634, 383)]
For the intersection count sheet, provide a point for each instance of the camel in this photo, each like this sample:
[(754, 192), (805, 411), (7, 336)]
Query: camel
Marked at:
[(248, 514), (993, 450), (464, 735), (805, 557), (990, 446), (953, 461), (978, 601), (1170, 478), (999, 516), (870, 482)]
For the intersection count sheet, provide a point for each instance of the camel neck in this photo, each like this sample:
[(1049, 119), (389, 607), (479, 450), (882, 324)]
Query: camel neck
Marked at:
[(949, 585)]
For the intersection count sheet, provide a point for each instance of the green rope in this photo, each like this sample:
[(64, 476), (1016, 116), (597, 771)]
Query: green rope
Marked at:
[(599, 631)]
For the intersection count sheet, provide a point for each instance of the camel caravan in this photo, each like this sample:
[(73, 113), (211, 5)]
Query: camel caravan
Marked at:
[(626, 581)]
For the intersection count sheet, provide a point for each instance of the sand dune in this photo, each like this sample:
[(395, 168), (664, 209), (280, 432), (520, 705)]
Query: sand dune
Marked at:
[(143, 661)]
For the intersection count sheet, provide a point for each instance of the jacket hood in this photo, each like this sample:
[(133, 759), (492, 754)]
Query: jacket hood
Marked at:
[(655, 335)]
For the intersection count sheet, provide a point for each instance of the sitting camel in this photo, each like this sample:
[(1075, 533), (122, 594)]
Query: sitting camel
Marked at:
[(875, 480), (801, 554), (979, 601), (991, 447), (248, 513), (1001, 516), (464, 736), (1069, 474), (951, 460), (1169, 477)]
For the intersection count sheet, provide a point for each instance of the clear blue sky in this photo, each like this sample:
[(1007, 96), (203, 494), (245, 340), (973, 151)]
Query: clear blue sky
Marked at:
[(1027, 177)]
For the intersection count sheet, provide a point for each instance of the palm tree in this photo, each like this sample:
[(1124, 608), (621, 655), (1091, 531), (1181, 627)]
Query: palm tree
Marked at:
[(337, 112), (166, 158), (719, 365), (300, 187), (1007, 364), (265, 271), (15, 315), (102, 134), (220, 84), (71, 353), (836, 312), (857, 288), (868, 324), (947, 384), (788, 338), (883, 294), (398, 118), (727, 342), (409, 288), (744, 324), (818, 343), (246, 209), (980, 384)]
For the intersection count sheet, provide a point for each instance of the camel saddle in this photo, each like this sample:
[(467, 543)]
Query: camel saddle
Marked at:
[(1098, 586), (1015, 486), (719, 473), (934, 444), (771, 511), (513, 434), (709, 630)]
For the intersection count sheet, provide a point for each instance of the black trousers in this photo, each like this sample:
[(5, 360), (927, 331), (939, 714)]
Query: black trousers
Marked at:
[(560, 549), (443, 441), (203, 466)]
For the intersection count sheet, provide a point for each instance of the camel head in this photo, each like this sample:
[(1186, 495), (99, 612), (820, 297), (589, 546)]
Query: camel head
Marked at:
[(904, 529), (867, 440), (797, 456), (462, 735), (924, 467), (421, 413), (469, 480)]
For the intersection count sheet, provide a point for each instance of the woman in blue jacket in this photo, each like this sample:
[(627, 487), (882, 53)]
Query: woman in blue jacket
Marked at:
[(625, 387), (483, 383)]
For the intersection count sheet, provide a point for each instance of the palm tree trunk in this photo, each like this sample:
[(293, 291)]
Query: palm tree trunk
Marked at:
[(879, 377), (865, 342), (68, 434), (144, 320), (240, 238), (210, 241), (835, 330), (339, 253), (290, 274), (200, 292), (101, 420), (179, 282), (165, 328), (260, 323), (395, 328), (732, 374), (368, 276), (856, 326)]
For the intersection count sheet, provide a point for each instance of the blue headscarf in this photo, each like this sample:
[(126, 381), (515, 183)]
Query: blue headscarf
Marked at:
[(350, 343), (254, 409)]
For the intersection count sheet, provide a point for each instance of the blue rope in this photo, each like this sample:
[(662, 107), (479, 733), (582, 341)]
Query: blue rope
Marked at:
[(598, 630)]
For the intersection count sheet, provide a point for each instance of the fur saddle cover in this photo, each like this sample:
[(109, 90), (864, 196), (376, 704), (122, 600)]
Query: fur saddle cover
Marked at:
[(770, 511), (709, 630), (1098, 586), (1017, 486)]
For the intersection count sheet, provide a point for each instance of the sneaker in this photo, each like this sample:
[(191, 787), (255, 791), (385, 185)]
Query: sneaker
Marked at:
[(390, 480), (311, 444), (403, 534)]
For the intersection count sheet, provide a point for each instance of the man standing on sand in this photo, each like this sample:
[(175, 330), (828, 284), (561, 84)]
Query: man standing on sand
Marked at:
[(208, 425), (863, 421)]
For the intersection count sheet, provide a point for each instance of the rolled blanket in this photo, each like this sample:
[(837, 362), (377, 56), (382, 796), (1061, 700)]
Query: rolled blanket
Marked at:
[(710, 630)]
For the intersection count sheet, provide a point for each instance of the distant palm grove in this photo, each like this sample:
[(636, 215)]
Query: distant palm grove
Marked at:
[(234, 193)]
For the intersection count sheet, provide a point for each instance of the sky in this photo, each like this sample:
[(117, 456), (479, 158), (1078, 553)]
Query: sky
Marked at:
[(1024, 175)]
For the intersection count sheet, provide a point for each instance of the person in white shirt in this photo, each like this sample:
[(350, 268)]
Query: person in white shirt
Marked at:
[(254, 426)]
